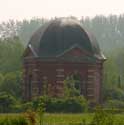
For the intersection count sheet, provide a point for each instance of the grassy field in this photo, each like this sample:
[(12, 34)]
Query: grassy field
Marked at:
[(69, 119), (58, 119), (76, 118)]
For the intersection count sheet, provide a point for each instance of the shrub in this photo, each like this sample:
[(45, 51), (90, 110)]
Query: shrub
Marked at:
[(116, 104), (31, 116), (67, 105), (75, 105), (41, 111), (23, 107), (103, 117), (7, 102), (113, 94)]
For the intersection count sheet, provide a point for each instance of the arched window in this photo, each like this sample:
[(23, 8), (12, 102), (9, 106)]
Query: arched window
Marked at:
[(77, 81), (73, 84)]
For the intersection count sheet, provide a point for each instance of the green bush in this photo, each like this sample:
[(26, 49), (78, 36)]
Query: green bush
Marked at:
[(7, 102), (75, 105), (116, 104), (66, 105), (26, 106), (113, 94), (103, 117)]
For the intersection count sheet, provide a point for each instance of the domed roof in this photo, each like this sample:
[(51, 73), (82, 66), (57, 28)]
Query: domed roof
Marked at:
[(61, 34)]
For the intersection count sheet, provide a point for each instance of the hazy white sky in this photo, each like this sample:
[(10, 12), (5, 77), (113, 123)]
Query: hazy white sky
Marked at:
[(20, 9)]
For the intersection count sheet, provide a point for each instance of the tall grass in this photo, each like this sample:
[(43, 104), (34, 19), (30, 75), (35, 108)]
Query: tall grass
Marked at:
[(97, 118), (13, 120)]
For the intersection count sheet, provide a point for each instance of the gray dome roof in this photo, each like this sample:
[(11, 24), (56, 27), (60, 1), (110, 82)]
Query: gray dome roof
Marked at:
[(61, 34)]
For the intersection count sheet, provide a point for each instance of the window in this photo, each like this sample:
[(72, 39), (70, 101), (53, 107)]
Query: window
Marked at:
[(30, 87)]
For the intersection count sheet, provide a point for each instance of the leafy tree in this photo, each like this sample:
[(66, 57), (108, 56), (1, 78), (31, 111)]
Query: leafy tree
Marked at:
[(12, 84), (110, 73), (11, 51), (113, 93), (6, 102), (9, 29)]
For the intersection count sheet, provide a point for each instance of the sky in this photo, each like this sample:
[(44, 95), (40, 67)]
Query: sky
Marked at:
[(27, 9)]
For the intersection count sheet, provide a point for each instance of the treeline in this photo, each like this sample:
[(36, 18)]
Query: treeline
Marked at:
[(109, 31), (11, 52)]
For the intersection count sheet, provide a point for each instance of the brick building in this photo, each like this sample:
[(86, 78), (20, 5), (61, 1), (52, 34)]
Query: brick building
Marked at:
[(57, 50)]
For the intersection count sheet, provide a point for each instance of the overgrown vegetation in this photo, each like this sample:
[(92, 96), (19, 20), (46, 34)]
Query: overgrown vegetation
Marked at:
[(99, 117), (13, 120), (62, 105)]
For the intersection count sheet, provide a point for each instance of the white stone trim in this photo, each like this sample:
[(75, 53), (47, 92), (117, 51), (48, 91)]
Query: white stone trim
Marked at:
[(59, 81), (60, 75), (60, 70)]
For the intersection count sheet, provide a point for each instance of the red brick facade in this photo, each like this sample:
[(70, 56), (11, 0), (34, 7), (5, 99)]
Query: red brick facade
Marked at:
[(37, 71)]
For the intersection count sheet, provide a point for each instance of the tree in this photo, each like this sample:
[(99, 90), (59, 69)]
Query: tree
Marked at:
[(11, 51), (12, 84), (9, 29), (6, 102)]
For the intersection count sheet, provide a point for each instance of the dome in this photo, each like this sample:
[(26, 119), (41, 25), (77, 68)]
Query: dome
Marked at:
[(59, 35)]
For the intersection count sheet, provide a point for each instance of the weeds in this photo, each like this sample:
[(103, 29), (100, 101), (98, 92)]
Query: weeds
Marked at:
[(41, 111), (16, 120), (31, 116)]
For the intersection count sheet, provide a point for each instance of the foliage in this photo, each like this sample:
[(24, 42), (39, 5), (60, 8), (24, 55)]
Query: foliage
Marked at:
[(111, 73), (108, 30), (11, 83), (100, 117), (74, 119), (116, 104), (113, 93), (26, 106), (69, 105), (113, 81), (11, 51), (31, 116), (70, 87), (41, 111), (103, 117), (6, 102), (10, 120)]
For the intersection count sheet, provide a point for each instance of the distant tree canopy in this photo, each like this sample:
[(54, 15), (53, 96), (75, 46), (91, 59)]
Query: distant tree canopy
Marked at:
[(23, 29), (109, 31), (11, 51)]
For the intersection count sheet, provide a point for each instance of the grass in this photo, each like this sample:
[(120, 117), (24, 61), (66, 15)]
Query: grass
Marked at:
[(58, 119), (13, 119), (67, 119)]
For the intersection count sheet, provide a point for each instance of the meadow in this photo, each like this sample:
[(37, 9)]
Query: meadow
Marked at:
[(62, 119), (67, 118), (53, 119)]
